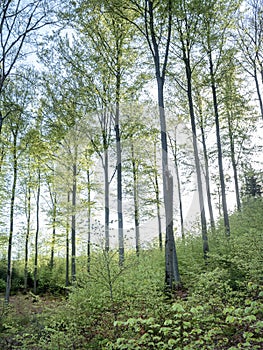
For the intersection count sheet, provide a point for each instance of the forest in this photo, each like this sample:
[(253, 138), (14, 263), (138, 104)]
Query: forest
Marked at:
[(131, 213)]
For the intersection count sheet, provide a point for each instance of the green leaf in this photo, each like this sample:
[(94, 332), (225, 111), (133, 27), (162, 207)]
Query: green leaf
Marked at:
[(172, 342), (259, 324), (168, 322), (197, 310), (250, 318), (230, 319), (178, 308), (248, 335), (165, 330)]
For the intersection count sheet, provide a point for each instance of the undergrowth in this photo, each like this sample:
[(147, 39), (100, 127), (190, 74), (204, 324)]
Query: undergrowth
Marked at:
[(219, 306)]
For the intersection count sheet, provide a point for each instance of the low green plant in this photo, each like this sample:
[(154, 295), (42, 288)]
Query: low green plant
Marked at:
[(219, 305)]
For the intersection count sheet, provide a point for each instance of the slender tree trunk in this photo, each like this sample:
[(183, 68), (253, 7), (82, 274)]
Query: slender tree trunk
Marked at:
[(88, 173), (258, 91), (119, 165), (207, 181), (207, 173), (73, 223), (196, 155), (37, 232), (261, 69), (172, 276), (67, 240), (136, 201), (233, 162), (180, 201), (234, 166), (176, 166), (186, 47), (1, 119), (54, 224), (219, 201), (2, 154), (157, 198), (219, 147), (89, 220), (11, 223), (158, 207), (106, 198), (28, 219)]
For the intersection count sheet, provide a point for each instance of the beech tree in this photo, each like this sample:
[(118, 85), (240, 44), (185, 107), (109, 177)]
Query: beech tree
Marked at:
[(19, 21), (154, 22), (249, 38), (238, 120), (14, 131), (157, 31), (97, 104), (108, 37), (63, 129), (202, 124), (28, 210), (175, 150), (186, 22), (154, 177), (34, 148), (213, 36), (68, 169), (50, 180), (140, 168), (17, 124), (88, 167)]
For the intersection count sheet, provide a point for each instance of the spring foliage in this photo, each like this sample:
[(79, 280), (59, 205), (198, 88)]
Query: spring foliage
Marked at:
[(112, 307)]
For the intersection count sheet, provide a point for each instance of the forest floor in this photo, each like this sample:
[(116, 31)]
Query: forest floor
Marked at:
[(32, 304), (24, 305), (22, 311)]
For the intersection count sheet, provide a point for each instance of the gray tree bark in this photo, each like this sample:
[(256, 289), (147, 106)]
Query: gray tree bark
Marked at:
[(219, 146), (11, 219)]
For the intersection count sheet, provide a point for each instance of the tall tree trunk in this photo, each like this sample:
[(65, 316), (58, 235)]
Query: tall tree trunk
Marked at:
[(207, 181), (219, 147), (176, 166), (196, 154), (54, 224), (37, 231), (258, 91), (73, 223), (186, 53), (158, 207), (67, 239), (1, 118), (2, 153), (28, 220), (11, 220), (172, 276), (89, 221), (219, 201), (136, 201), (233, 162), (119, 163), (157, 198), (207, 173), (106, 198), (88, 173), (180, 200)]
